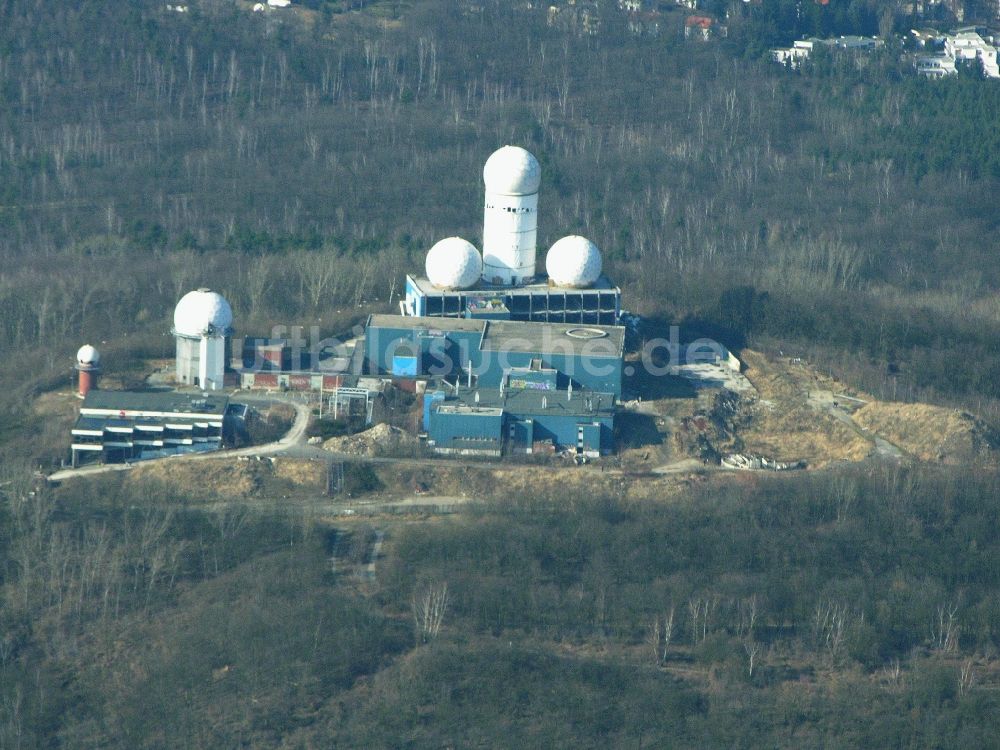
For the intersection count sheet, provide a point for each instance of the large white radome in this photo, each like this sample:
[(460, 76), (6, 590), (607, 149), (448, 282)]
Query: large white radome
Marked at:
[(512, 171), (203, 312), (88, 355), (573, 261), (453, 263)]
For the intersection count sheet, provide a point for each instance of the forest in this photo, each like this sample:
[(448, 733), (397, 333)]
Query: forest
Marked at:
[(845, 610), (302, 164)]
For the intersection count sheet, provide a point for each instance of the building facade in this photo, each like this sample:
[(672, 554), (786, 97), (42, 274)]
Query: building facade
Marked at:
[(119, 426)]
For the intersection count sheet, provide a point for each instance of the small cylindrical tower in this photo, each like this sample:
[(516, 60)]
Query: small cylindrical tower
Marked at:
[(88, 367), (510, 222)]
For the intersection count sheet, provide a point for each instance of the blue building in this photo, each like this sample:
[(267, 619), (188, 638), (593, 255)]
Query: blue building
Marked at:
[(487, 354), (493, 421), (505, 386)]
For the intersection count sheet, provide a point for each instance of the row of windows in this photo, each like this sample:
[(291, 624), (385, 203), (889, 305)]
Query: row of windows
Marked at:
[(511, 209)]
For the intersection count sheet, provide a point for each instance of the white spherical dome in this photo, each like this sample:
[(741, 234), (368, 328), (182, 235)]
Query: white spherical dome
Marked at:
[(203, 312), (573, 261), (512, 171), (453, 263), (88, 355)]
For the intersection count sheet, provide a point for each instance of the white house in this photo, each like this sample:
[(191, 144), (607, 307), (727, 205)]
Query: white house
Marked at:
[(964, 45), (794, 55), (968, 45)]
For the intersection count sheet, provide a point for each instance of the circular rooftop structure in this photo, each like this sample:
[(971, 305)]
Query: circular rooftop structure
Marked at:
[(203, 313), (453, 263), (88, 356), (574, 261), (512, 171)]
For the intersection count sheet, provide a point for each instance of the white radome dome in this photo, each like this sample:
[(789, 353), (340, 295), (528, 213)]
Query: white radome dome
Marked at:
[(512, 171), (453, 263), (203, 312), (88, 355), (573, 261)]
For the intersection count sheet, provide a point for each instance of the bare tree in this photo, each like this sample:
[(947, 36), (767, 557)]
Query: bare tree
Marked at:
[(892, 672), (701, 609), (429, 607), (845, 492), (752, 648), (747, 610), (259, 280), (945, 628), (316, 270), (661, 634), (830, 626), (966, 678)]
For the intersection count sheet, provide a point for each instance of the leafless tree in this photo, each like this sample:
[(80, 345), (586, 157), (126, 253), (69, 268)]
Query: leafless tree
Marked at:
[(747, 611), (429, 607), (661, 634), (945, 628), (830, 626), (258, 281), (700, 610), (316, 271), (752, 648), (845, 493), (892, 672), (966, 677)]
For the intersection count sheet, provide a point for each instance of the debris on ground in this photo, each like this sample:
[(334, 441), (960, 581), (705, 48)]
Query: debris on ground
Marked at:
[(380, 440), (759, 463)]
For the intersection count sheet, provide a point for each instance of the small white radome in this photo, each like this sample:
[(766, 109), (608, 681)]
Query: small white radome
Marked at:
[(512, 171), (203, 312), (453, 263), (88, 355), (573, 261)]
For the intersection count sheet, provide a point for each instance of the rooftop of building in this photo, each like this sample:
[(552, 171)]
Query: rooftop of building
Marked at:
[(425, 323), (520, 336), (542, 286), (569, 338), (529, 402), (161, 402)]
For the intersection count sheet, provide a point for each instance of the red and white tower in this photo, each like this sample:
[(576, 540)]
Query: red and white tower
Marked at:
[(88, 367)]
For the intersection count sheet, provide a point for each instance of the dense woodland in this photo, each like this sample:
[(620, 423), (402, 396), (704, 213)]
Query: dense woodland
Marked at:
[(300, 164), (848, 610)]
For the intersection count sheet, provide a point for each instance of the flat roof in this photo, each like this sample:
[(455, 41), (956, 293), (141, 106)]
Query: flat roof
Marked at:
[(172, 402), (410, 322), (530, 402), (582, 339), (571, 338), (460, 407), (541, 286)]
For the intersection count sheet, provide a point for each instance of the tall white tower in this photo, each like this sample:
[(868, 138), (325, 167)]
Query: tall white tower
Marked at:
[(202, 321), (512, 176)]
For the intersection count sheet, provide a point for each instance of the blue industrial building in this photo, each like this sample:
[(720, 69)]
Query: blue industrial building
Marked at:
[(485, 353), (505, 386), (493, 422)]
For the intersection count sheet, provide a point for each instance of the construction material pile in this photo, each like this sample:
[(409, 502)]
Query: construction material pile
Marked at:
[(380, 440)]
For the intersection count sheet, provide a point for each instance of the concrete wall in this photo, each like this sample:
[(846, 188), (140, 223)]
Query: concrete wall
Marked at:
[(187, 360)]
